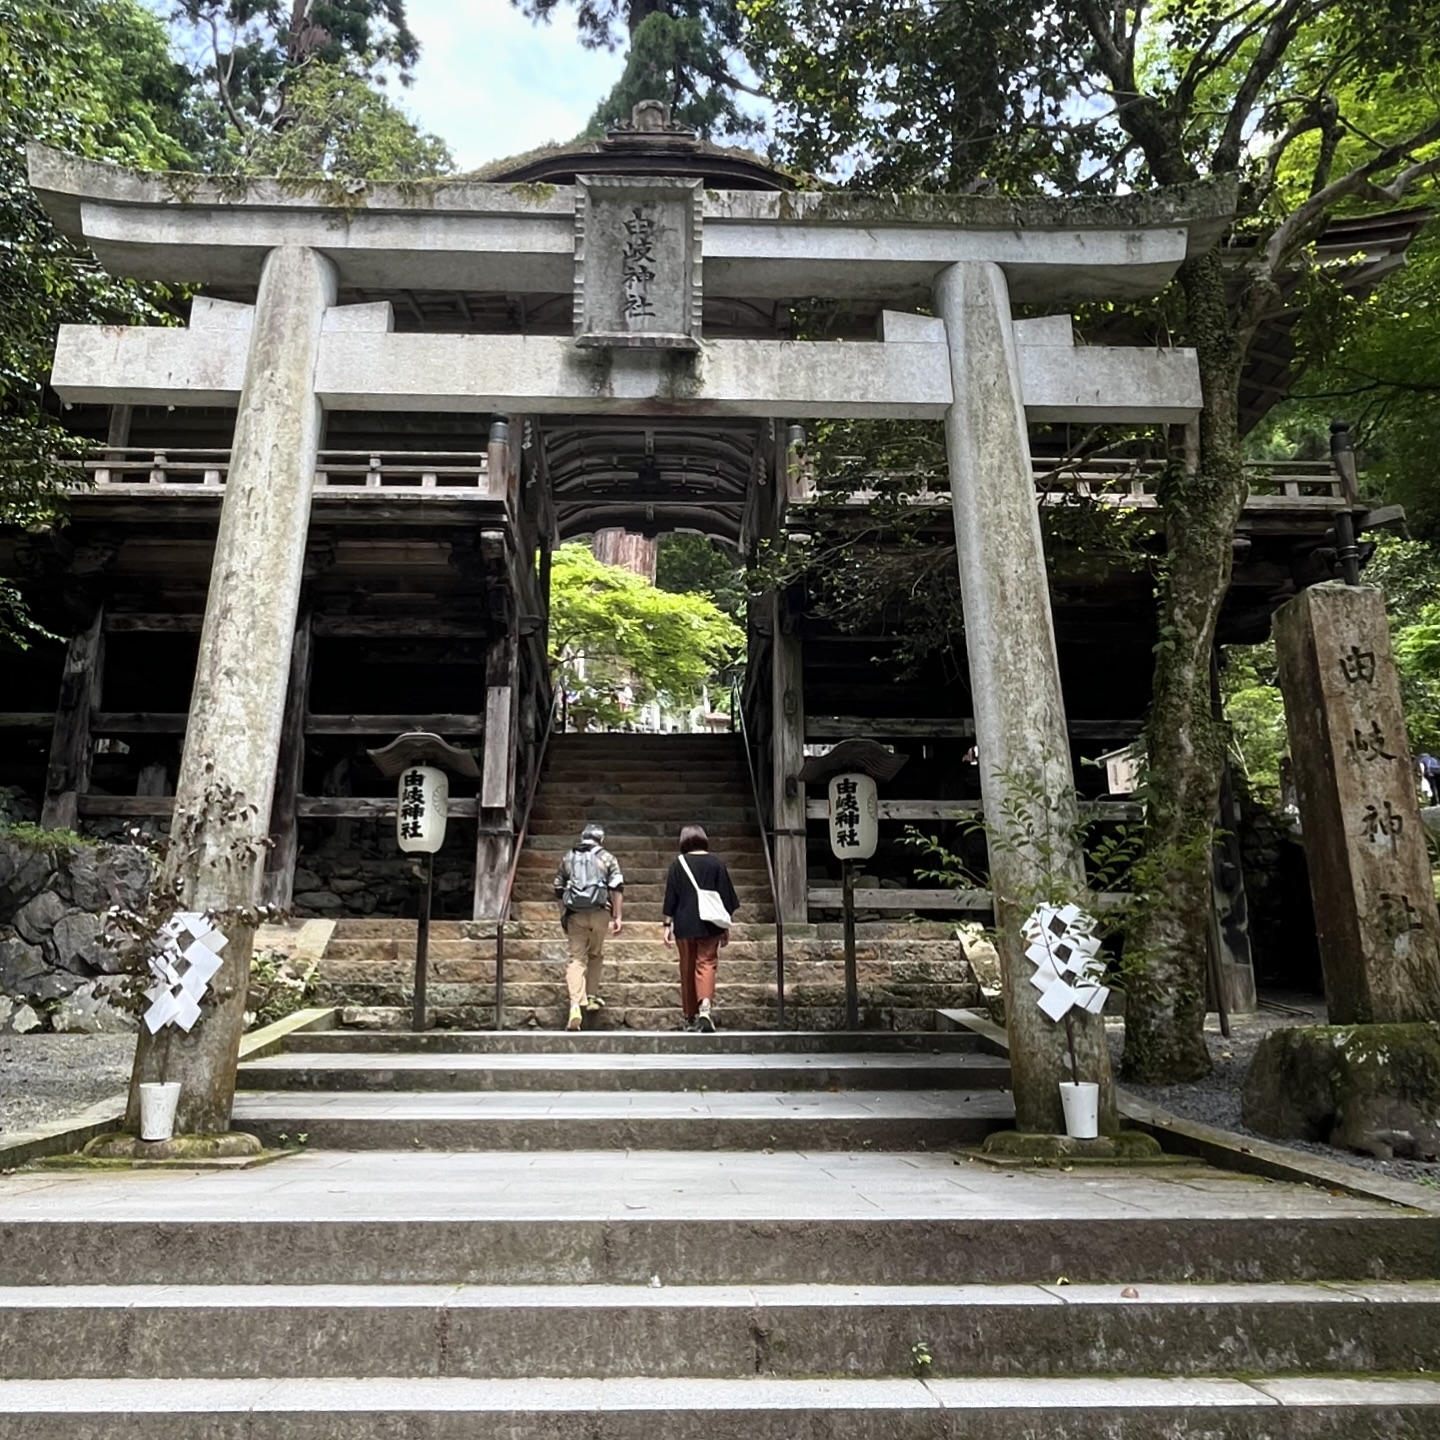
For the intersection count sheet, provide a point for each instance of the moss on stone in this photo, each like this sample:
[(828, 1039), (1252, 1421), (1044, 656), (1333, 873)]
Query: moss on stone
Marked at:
[(232, 1145), (1127, 1147)]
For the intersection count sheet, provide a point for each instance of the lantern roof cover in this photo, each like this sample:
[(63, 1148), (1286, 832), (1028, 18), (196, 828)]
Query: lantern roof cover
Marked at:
[(868, 756), (419, 747)]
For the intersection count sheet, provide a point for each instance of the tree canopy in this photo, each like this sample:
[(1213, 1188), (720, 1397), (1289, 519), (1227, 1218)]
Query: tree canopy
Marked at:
[(94, 77), (686, 53), (610, 627), (1310, 108)]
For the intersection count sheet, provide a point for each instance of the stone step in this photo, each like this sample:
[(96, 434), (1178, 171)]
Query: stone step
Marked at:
[(672, 792), (461, 1007), (755, 1408), (537, 882), (658, 995), (726, 839), (586, 1043), (638, 908), (542, 961), (623, 1073), (710, 1331), (751, 858), (707, 1218), (642, 1120)]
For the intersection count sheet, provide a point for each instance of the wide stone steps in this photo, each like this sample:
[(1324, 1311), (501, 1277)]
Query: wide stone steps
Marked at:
[(614, 1296), (570, 1095), (1294, 1408), (658, 1042), (646, 832), (693, 1071), (99, 1332), (573, 1119)]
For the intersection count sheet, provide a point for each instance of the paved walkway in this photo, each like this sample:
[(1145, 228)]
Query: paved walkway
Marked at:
[(600, 1185)]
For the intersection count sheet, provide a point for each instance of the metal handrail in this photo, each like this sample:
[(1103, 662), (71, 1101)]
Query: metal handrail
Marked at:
[(737, 709), (502, 918)]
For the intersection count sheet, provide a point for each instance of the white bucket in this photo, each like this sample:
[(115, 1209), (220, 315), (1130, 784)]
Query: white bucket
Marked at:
[(157, 1109), (1082, 1108)]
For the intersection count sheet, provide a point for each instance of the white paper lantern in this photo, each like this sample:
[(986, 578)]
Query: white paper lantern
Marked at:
[(854, 816), (423, 807)]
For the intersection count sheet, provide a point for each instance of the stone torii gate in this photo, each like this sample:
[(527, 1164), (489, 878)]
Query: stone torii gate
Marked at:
[(640, 255)]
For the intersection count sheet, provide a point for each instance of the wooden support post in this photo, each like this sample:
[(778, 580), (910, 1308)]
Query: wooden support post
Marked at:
[(787, 754), (71, 748), (232, 743), (279, 888), (496, 835)]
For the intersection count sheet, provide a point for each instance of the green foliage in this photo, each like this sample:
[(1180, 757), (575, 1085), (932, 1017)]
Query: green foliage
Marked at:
[(93, 77), (613, 627), (681, 52), (341, 127), (35, 837), (695, 565), (922, 94), (249, 53), (280, 984)]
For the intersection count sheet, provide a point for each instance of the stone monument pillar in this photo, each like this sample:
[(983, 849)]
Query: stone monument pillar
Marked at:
[(232, 742), (1369, 868), (1020, 729)]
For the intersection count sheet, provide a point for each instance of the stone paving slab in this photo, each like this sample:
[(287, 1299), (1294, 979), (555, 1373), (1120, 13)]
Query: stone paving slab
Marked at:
[(754, 1409), (373, 1071), (229, 1331), (678, 1185), (630, 1119)]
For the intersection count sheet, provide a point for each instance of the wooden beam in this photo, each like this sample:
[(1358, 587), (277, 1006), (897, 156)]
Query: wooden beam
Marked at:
[(828, 898), (27, 720), (402, 627), (130, 624), (787, 756), (495, 836), (367, 807), (307, 807), (278, 885), (71, 746), (889, 727), (958, 809), (127, 807), (138, 722), (390, 725)]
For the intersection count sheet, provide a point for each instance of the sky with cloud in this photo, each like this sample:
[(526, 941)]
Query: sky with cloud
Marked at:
[(491, 83)]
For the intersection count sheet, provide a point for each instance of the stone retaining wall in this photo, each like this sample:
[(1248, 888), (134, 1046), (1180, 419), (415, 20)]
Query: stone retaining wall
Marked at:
[(56, 971)]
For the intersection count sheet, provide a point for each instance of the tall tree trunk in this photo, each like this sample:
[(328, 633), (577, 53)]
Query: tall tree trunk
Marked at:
[(1165, 1003)]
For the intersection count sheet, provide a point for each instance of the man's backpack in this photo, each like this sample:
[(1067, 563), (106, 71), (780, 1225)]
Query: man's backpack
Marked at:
[(586, 888)]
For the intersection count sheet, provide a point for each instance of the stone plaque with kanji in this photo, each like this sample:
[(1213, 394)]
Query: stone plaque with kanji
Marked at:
[(637, 262), (1370, 879)]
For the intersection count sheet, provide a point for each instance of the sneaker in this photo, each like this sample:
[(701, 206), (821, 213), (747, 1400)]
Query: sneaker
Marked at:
[(576, 1018), (594, 1003), (703, 1022)]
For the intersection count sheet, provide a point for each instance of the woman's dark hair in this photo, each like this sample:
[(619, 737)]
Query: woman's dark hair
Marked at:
[(693, 837)]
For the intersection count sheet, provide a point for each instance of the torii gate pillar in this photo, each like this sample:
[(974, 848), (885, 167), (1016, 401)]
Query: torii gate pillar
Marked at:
[(1020, 730), (232, 740)]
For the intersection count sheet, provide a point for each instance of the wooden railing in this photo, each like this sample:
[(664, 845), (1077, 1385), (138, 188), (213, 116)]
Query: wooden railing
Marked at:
[(1274, 484), (141, 470)]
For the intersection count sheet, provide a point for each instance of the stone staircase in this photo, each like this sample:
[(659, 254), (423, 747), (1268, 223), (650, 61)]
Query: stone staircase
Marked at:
[(642, 789), (600, 1273)]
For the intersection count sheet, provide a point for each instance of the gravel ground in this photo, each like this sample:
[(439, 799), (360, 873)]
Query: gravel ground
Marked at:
[(1216, 1099), (51, 1077)]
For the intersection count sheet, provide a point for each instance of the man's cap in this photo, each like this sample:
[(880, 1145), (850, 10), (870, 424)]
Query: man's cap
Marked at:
[(593, 832)]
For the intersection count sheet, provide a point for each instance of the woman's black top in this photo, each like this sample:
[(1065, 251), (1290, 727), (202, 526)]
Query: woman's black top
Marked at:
[(681, 904)]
